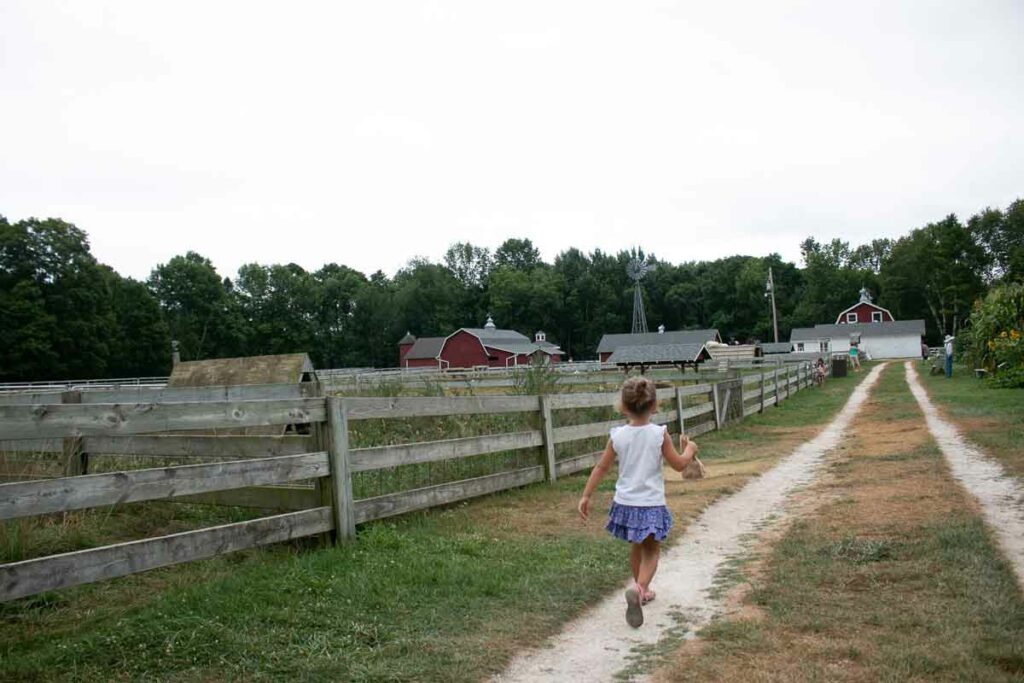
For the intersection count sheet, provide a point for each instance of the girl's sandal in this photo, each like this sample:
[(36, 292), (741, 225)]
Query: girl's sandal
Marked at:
[(634, 607)]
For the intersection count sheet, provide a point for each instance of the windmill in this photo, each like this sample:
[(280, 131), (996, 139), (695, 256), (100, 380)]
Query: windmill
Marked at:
[(636, 270)]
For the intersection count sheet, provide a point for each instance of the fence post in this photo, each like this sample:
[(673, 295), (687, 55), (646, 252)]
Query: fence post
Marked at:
[(548, 430), (761, 409), (714, 401), (679, 410), (341, 476), (778, 399), (322, 442), (75, 459)]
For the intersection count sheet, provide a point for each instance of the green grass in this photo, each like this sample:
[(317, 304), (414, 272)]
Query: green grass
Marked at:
[(428, 598), (990, 416), (439, 595)]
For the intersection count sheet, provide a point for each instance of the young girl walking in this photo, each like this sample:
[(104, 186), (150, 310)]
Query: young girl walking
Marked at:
[(638, 513)]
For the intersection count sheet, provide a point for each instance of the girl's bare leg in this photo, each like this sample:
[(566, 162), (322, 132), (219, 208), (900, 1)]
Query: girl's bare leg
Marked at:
[(650, 552), (635, 555)]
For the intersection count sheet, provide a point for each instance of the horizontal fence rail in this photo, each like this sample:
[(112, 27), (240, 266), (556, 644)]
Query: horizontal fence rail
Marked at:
[(309, 475)]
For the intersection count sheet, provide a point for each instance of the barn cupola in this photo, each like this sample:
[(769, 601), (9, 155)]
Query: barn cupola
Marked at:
[(540, 337), (661, 329), (489, 325), (865, 295), (404, 345)]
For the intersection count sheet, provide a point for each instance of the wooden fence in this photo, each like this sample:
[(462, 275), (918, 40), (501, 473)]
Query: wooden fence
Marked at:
[(267, 471)]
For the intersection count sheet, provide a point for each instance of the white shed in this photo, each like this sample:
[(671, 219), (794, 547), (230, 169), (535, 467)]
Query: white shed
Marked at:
[(894, 339)]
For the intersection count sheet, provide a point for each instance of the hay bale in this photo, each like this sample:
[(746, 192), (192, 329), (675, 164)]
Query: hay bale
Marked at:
[(292, 368), (289, 368)]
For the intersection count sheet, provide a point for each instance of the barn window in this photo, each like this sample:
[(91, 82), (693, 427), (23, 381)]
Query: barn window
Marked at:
[(800, 346), (876, 316), (851, 317)]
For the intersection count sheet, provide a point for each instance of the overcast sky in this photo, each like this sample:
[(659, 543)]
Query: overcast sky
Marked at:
[(369, 133)]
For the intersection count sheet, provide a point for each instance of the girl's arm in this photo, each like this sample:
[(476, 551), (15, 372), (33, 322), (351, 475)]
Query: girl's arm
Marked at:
[(596, 475), (678, 461)]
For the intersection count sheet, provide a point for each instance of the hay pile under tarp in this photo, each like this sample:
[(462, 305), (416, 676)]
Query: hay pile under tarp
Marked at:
[(292, 368), (289, 368)]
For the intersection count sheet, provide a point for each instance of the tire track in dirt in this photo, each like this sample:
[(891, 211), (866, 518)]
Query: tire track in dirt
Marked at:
[(1001, 495), (599, 645)]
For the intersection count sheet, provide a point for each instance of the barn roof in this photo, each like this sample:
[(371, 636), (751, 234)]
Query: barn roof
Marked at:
[(658, 353), (496, 336), (776, 347), (279, 369), (610, 342), (511, 341), (898, 328), (409, 338), (425, 347), (526, 347)]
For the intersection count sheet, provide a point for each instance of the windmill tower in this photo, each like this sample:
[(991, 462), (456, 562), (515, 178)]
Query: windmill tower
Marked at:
[(636, 270)]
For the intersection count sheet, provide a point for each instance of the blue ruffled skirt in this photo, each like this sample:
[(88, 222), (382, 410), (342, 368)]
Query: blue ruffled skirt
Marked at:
[(634, 523)]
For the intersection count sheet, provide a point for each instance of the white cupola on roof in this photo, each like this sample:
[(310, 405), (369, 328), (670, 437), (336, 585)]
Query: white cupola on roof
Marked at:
[(661, 329), (540, 336), (489, 325)]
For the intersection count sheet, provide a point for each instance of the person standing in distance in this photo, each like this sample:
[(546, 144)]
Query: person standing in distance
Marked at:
[(949, 356)]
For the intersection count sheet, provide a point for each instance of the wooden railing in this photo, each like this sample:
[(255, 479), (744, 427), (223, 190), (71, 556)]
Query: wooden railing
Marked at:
[(262, 471)]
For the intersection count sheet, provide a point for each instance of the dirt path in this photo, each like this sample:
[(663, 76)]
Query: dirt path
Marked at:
[(599, 645), (1001, 496)]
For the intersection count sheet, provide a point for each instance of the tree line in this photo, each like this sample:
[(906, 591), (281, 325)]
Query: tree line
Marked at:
[(64, 315)]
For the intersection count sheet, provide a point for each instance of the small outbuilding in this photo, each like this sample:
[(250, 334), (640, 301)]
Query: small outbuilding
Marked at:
[(893, 339), (612, 342), (644, 356)]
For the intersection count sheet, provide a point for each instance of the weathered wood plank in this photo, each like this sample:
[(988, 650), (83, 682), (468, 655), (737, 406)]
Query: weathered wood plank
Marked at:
[(341, 474), (594, 429), (29, 398), (699, 409), (751, 379), (19, 579), (585, 431), (702, 428), (223, 393), (380, 457), (109, 419), (96, 490), (52, 445), (234, 447), (561, 401), (263, 497), (402, 407), (441, 494), (578, 463), (751, 395), (695, 389)]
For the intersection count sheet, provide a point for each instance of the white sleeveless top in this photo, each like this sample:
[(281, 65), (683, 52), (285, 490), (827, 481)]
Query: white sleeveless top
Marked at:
[(639, 453)]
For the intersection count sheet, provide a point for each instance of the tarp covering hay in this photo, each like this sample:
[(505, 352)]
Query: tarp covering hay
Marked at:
[(289, 368), (292, 368)]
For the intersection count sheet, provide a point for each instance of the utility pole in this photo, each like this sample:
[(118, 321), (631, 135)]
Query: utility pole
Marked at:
[(770, 290)]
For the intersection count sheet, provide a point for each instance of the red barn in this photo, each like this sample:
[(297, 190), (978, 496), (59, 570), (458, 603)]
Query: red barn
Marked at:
[(475, 347), (864, 311)]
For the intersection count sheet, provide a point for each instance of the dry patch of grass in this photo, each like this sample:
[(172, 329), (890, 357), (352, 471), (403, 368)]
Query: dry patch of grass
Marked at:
[(893, 577)]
